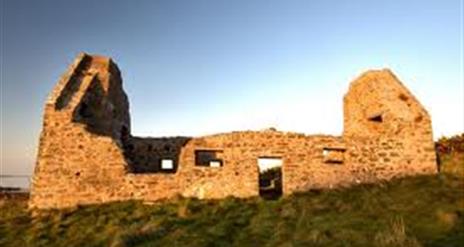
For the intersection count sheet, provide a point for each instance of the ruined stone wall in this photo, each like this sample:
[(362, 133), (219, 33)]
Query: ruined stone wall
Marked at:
[(303, 166), (378, 107), (88, 155), (80, 159), (309, 162)]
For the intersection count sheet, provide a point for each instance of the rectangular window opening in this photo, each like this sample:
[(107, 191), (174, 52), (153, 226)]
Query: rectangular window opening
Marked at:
[(167, 164), (215, 163), (209, 158), (333, 155)]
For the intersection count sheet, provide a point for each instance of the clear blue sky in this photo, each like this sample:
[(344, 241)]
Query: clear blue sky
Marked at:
[(199, 67)]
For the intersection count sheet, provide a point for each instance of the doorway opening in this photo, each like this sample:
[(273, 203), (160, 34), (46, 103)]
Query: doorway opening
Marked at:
[(270, 177)]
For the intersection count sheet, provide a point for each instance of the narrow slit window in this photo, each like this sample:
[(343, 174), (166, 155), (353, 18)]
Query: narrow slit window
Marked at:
[(376, 118)]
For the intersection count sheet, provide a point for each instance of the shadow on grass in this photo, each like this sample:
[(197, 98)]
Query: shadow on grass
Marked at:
[(418, 211)]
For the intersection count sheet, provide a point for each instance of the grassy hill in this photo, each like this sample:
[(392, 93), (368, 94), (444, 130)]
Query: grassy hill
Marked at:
[(416, 211)]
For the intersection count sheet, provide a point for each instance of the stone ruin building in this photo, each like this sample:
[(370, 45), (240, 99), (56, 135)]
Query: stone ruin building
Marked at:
[(87, 153)]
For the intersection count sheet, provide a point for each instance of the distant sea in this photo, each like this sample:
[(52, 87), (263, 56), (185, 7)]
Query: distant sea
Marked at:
[(15, 181)]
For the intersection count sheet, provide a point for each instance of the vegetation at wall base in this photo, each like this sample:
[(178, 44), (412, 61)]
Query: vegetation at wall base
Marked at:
[(412, 211)]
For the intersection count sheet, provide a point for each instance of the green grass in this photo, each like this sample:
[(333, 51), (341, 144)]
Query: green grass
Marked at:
[(419, 211), (453, 164), (414, 211)]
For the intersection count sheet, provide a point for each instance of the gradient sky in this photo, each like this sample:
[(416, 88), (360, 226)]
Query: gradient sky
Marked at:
[(200, 67)]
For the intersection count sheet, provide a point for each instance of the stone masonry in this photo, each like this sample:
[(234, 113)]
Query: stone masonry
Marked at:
[(87, 154)]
